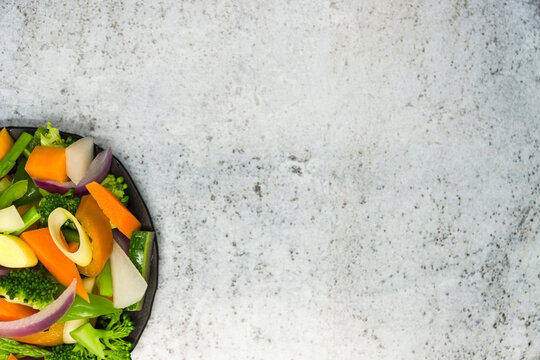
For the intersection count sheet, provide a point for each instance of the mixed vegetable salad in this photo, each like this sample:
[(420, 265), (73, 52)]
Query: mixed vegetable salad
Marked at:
[(72, 255)]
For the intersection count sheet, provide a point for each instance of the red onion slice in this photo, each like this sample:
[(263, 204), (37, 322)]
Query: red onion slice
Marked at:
[(4, 271), (122, 240), (54, 186), (98, 170), (42, 320)]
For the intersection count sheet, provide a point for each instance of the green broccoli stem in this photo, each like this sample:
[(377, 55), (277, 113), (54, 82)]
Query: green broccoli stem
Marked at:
[(109, 340), (89, 337), (29, 218), (12, 193), (8, 161)]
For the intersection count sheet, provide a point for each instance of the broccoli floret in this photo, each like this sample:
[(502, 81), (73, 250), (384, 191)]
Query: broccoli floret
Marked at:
[(52, 137), (117, 186), (107, 343), (31, 287), (69, 352), (47, 137), (50, 202)]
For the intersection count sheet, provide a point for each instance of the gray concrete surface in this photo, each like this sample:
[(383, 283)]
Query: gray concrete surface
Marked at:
[(329, 179)]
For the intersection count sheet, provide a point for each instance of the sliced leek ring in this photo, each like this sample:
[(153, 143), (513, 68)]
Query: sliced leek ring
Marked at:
[(57, 218)]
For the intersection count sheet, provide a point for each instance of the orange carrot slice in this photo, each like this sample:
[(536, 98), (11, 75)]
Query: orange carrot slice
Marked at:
[(10, 311), (53, 336), (73, 246), (63, 269), (98, 227), (12, 357), (47, 163), (117, 213), (6, 142)]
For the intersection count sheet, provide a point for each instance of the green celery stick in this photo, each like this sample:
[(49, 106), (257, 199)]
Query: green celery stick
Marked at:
[(29, 218), (104, 281), (8, 161)]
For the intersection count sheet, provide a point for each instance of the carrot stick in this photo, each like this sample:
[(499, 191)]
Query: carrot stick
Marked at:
[(47, 163), (117, 213), (6, 142), (98, 227), (53, 336), (12, 357), (11, 311), (73, 247), (63, 269)]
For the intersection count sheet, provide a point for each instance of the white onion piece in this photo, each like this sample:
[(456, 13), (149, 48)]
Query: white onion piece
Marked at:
[(42, 320), (89, 284), (79, 155), (128, 284), (71, 325), (10, 220), (57, 218)]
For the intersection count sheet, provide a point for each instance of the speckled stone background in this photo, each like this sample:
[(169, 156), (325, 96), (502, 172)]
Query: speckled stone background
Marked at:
[(329, 180)]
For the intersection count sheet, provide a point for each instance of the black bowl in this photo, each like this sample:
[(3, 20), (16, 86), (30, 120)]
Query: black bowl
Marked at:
[(137, 206)]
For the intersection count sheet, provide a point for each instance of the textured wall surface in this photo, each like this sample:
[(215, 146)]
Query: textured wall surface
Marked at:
[(329, 179)]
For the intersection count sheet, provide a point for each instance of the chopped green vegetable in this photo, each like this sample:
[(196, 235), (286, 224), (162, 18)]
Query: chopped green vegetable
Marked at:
[(47, 137), (35, 141), (30, 287), (50, 202), (32, 192), (104, 281), (69, 234), (29, 218), (98, 306), (52, 138), (4, 184), (117, 187), (8, 161), (62, 352), (8, 346), (107, 343), (140, 253), (12, 193)]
